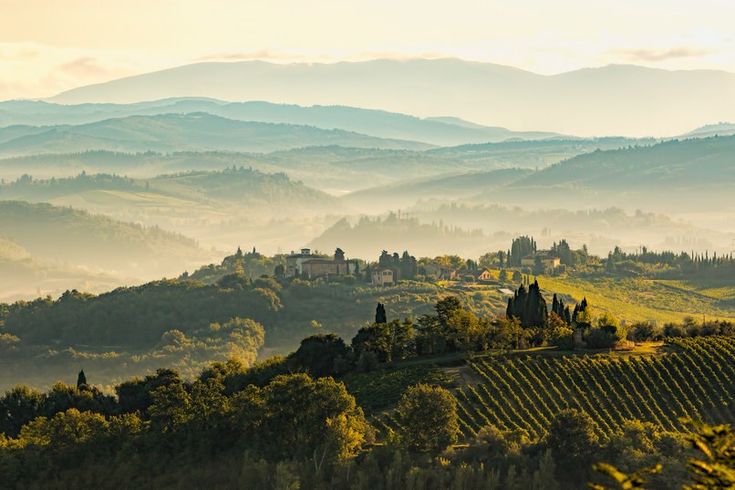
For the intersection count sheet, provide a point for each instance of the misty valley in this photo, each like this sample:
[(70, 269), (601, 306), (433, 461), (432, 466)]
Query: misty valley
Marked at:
[(202, 286)]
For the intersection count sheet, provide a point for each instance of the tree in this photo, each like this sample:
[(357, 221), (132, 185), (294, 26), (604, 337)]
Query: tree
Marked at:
[(559, 333), (544, 478), (528, 306), (607, 333), (81, 380), (572, 439), (170, 408), (428, 416), (318, 355), (19, 406), (386, 341), (380, 316), (315, 418)]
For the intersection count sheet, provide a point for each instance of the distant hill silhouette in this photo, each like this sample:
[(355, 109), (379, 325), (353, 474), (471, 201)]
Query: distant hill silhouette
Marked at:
[(382, 124), (177, 132), (615, 99)]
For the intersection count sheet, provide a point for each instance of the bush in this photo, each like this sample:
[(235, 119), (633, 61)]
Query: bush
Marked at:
[(674, 330), (598, 338), (562, 337), (607, 333), (643, 331)]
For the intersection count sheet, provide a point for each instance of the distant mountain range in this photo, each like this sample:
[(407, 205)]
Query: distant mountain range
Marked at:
[(615, 99), (382, 124)]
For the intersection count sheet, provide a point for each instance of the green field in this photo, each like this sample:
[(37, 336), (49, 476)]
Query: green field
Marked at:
[(637, 299)]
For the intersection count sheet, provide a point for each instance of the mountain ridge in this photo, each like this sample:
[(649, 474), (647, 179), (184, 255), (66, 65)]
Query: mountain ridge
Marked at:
[(587, 102)]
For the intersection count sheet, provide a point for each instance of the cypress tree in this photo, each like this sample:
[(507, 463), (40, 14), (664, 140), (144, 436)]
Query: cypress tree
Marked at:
[(380, 316), (81, 379)]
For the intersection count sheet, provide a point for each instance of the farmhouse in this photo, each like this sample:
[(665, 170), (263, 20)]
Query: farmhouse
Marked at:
[(548, 259), (306, 264), (383, 277)]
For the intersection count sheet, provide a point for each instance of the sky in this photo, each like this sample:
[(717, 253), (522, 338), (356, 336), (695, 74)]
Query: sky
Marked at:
[(48, 46)]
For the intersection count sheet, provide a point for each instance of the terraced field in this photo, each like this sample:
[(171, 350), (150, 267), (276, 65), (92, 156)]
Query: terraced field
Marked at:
[(693, 378)]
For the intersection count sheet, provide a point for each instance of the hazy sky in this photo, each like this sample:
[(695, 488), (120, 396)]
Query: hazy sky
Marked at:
[(47, 46)]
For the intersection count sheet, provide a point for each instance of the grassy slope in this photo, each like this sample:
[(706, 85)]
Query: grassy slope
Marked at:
[(633, 299)]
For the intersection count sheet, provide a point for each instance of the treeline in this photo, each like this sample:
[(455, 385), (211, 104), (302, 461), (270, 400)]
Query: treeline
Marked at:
[(259, 428), (137, 317), (669, 264)]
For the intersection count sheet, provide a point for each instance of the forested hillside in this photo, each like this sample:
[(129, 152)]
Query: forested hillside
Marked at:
[(76, 237), (655, 177), (243, 186)]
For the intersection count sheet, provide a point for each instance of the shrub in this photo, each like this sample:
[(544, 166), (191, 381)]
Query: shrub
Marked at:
[(674, 330), (643, 331), (562, 337)]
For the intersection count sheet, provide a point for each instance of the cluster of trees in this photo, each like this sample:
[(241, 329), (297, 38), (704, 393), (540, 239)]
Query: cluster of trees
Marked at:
[(688, 327), (520, 247), (251, 264), (257, 428), (452, 328), (569, 257), (670, 264), (290, 417), (405, 265), (528, 306), (525, 246), (137, 317)]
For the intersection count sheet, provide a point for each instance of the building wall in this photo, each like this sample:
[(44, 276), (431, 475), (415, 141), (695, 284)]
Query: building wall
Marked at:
[(323, 268), (383, 277)]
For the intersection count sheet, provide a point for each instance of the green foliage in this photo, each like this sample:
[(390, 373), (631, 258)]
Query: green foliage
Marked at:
[(715, 466), (606, 334), (624, 481), (428, 416), (382, 388), (320, 355)]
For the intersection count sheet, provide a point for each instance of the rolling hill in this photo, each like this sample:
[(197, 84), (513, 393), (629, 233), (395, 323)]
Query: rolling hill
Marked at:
[(443, 187), (78, 238), (336, 169), (591, 101), (177, 132), (241, 186), (691, 178), (382, 124)]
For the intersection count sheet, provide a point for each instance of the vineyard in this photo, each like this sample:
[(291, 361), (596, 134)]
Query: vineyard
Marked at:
[(694, 379)]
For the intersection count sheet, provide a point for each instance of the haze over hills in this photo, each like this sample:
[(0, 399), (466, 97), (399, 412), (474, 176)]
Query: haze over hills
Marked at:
[(717, 129), (177, 132), (615, 99), (382, 124), (335, 169), (47, 249), (442, 187), (658, 177), (77, 237)]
